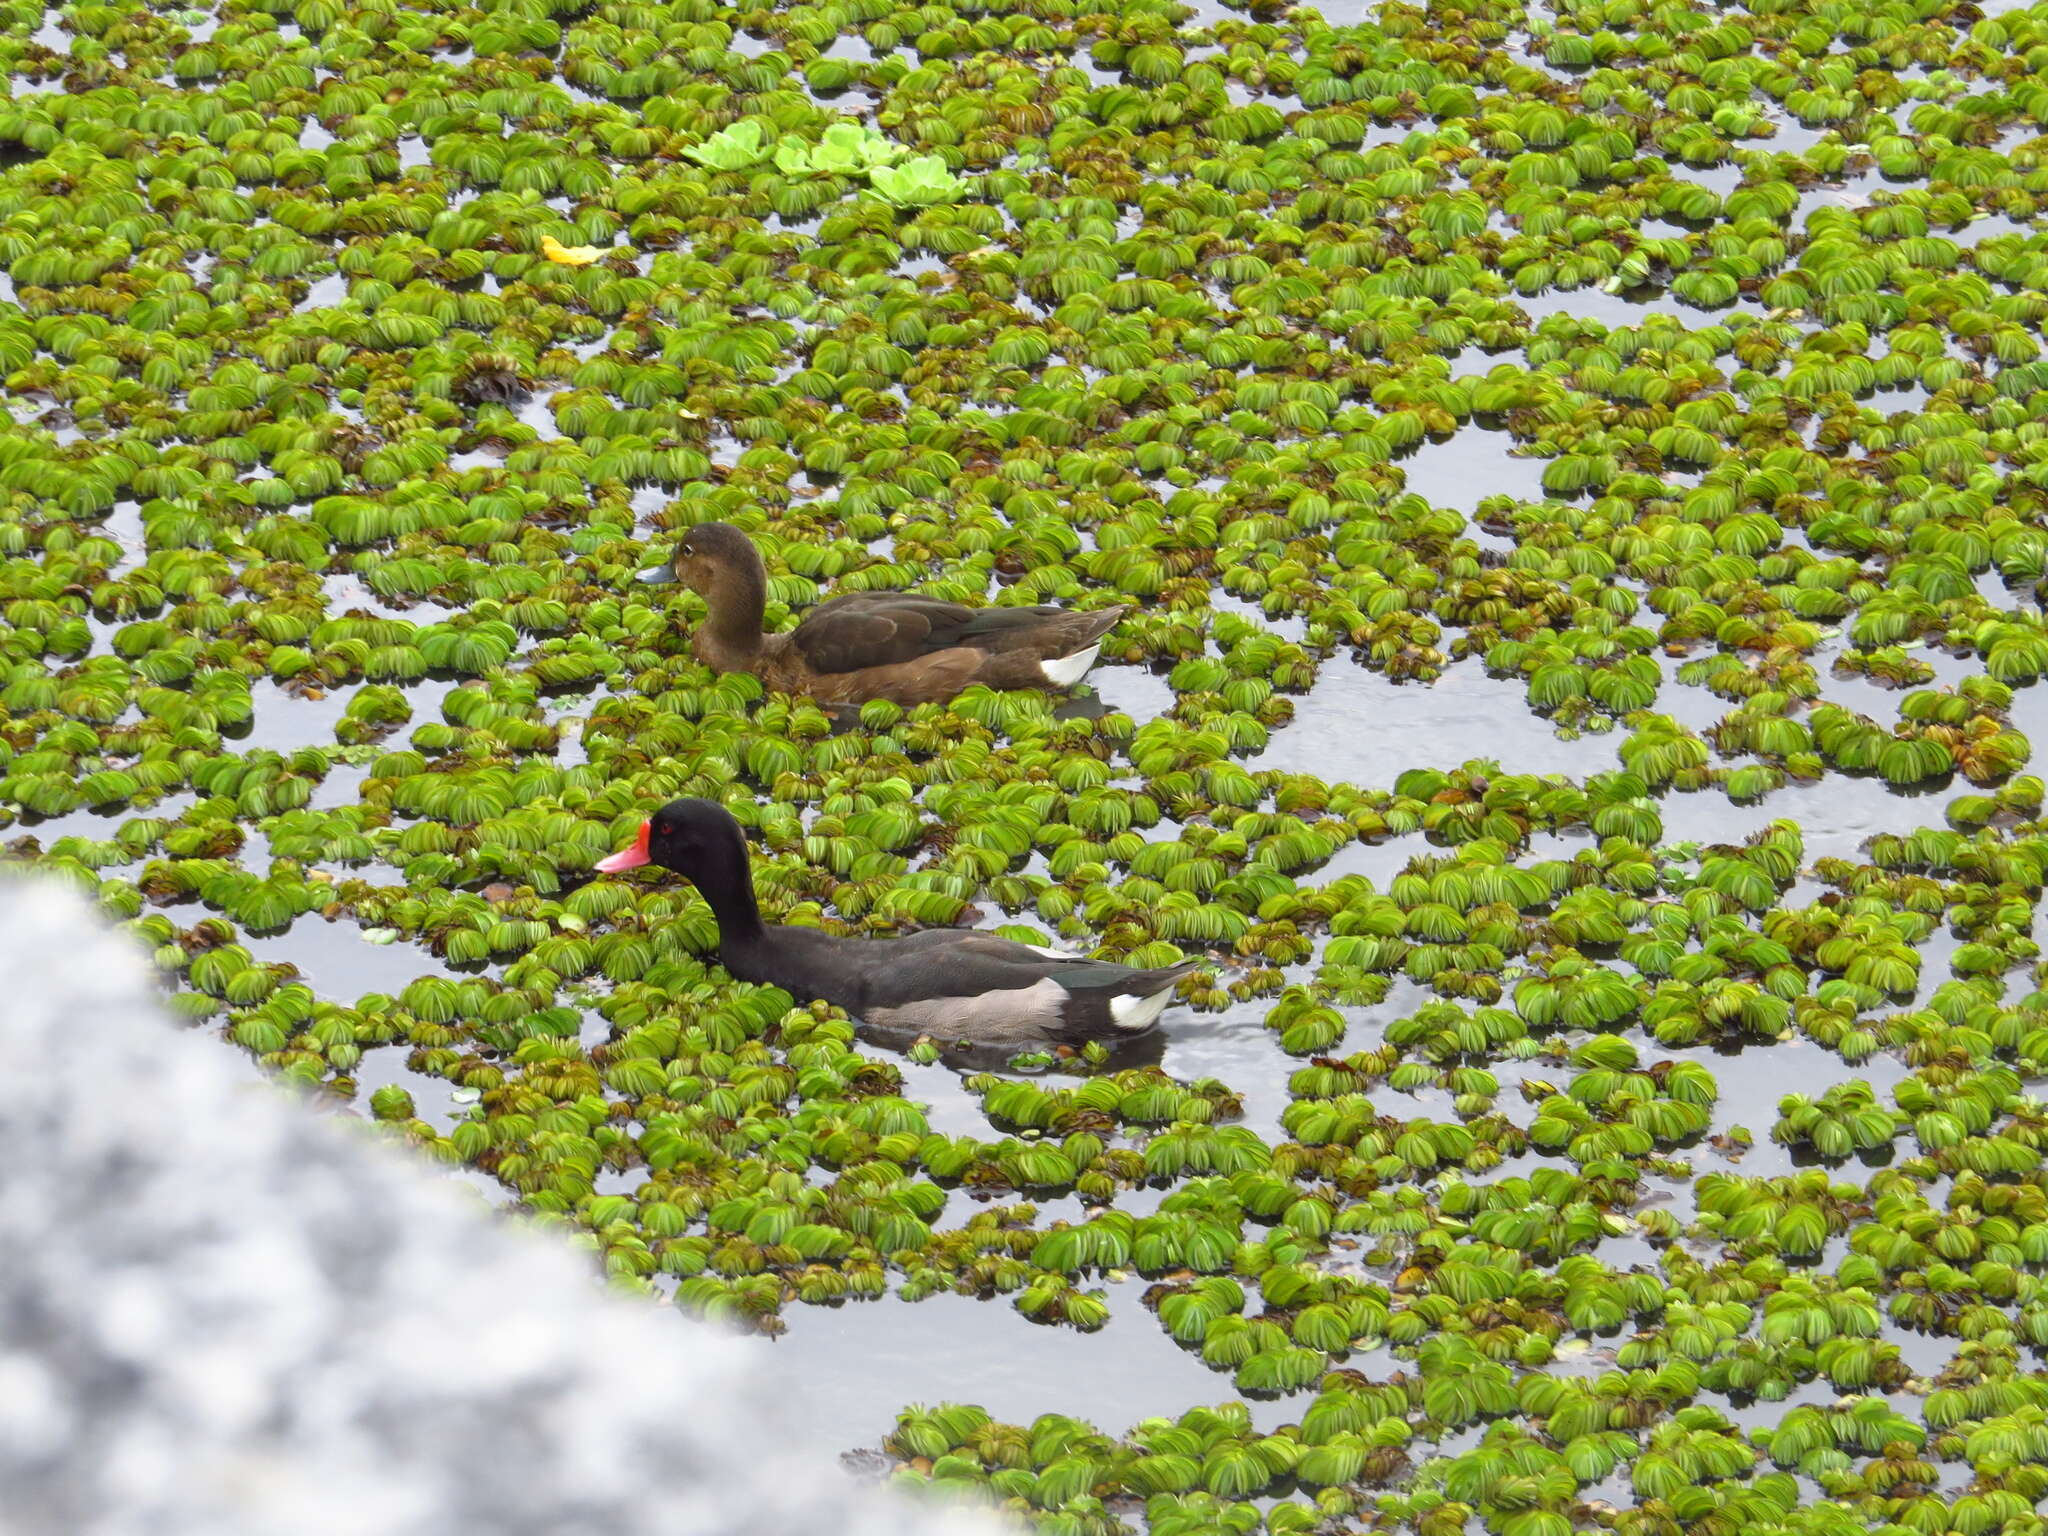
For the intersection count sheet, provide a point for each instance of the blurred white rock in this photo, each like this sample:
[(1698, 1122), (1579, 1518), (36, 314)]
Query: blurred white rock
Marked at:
[(222, 1313)]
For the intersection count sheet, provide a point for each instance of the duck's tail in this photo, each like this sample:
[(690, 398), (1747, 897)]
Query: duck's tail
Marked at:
[(1144, 996), (1102, 620), (1084, 632), (1065, 671)]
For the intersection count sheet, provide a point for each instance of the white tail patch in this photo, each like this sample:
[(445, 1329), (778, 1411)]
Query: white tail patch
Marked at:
[(1136, 1013), (1065, 671)]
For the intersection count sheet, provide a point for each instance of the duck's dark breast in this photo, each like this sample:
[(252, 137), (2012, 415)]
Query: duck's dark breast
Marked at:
[(805, 963)]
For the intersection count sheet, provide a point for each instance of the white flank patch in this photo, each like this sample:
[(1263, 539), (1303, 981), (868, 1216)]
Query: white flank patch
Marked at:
[(1050, 953), (1013, 1013), (1065, 671), (1135, 1013)]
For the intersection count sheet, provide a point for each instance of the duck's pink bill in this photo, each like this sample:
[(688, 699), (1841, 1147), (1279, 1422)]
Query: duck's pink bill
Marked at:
[(628, 858)]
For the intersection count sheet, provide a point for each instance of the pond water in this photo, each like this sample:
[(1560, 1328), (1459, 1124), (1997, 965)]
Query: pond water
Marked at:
[(1288, 626), (1835, 817), (326, 292), (1138, 691), (1358, 726), (340, 962), (435, 1100), (956, 1348), (380, 339), (855, 1364), (1613, 310), (1470, 465)]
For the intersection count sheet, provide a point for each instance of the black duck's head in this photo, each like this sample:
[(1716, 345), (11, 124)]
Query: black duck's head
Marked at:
[(698, 839)]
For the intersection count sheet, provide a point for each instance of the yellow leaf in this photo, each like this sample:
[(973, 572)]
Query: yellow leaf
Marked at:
[(568, 255)]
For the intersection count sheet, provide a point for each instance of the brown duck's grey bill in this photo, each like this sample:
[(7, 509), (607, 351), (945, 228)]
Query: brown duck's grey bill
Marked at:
[(660, 576)]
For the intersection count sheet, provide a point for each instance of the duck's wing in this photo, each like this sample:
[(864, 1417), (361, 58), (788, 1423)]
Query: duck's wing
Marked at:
[(960, 963), (986, 949), (883, 629), (864, 630)]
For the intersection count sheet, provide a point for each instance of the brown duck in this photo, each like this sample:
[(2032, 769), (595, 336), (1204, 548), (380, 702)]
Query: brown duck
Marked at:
[(874, 645), (951, 983)]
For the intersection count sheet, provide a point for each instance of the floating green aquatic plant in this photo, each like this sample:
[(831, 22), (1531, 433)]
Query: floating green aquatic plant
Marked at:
[(843, 149), (734, 148), (919, 181)]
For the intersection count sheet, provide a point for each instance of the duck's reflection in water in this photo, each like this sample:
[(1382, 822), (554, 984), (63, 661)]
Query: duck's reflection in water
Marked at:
[(1147, 1050)]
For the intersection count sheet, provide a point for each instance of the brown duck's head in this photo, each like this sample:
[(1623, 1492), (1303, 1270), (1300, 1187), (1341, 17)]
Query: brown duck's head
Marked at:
[(711, 559)]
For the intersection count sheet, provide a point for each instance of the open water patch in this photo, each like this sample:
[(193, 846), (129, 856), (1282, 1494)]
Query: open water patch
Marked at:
[(1359, 726), (857, 1362), (1139, 692), (1466, 468)]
